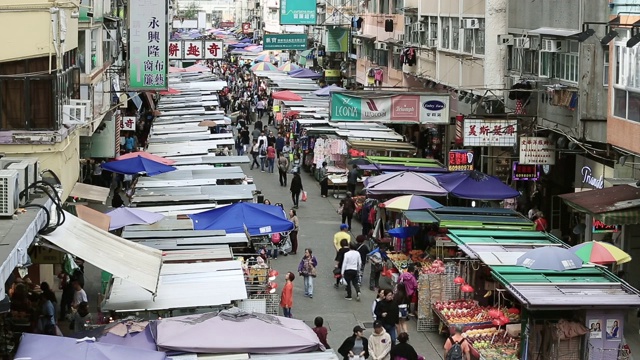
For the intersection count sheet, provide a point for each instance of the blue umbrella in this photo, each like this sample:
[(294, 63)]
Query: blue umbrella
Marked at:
[(137, 165), (306, 74), (404, 232), (550, 258), (475, 185), (239, 45), (259, 219), (327, 90), (293, 72)]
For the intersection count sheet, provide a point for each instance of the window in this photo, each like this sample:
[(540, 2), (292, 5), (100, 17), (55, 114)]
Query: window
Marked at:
[(455, 34), (384, 6), (473, 39), (546, 61), (444, 41), (566, 67), (368, 49), (433, 27), (626, 92), (479, 36), (605, 68), (381, 57), (395, 62), (468, 41), (82, 53)]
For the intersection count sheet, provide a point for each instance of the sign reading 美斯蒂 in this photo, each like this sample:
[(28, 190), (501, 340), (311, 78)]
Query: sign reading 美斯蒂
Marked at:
[(400, 108), (460, 160), (537, 150), (284, 42), (337, 40), (298, 12), (148, 63), (490, 132), (195, 49)]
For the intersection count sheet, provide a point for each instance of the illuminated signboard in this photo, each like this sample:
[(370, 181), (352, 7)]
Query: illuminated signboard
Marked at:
[(599, 227), (525, 171), (460, 160)]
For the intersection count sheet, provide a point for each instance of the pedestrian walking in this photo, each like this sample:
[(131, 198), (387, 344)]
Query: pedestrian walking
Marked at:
[(260, 108), (377, 257), (286, 298), (387, 313), (347, 208), (339, 259), (283, 169), (280, 142), (456, 347), (352, 179), (307, 269), (238, 144), (363, 249), (262, 148), (324, 180), (255, 151), (350, 267), (356, 346), (296, 188), (340, 235), (379, 297), (380, 342), (293, 235), (271, 158), (321, 331), (403, 351), (246, 141)]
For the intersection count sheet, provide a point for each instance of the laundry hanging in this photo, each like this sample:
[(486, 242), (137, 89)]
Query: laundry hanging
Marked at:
[(408, 56)]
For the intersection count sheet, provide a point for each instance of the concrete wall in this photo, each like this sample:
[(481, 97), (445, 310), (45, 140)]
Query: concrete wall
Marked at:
[(549, 13), (27, 33)]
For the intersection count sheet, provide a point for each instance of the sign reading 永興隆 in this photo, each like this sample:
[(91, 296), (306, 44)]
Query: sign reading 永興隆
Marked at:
[(284, 42), (537, 151), (401, 108), (490, 132), (148, 63), (298, 12)]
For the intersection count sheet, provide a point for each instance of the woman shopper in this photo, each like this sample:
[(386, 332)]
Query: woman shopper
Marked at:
[(293, 235), (271, 158), (255, 151), (286, 298), (355, 346), (321, 331), (307, 269), (324, 180), (296, 188), (387, 313), (348, 207), (344, 248), (403, 351)]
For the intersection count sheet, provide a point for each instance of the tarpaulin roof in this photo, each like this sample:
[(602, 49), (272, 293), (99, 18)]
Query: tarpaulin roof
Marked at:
[(618, 205), (453, 217), (259, 219), (476, 185), (404, 182)]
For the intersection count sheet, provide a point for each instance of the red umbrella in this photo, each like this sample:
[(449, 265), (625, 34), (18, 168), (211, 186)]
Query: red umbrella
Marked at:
[(146, 155), (293, 113), (286, 95), (170, 91)]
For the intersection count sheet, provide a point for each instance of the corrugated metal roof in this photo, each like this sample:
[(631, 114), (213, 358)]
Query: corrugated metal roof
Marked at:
[(604, 200)]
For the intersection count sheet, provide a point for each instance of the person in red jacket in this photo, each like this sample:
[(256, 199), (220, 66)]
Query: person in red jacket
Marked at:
[(286, 298), (321, 331)]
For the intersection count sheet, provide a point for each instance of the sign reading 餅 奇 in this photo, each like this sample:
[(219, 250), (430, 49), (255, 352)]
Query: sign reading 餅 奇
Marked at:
[(148, 64), (403, 108), (537, 150), (298, 12), (460, 160), (284, 42), (490, 132), (128, 123), (195, 49)]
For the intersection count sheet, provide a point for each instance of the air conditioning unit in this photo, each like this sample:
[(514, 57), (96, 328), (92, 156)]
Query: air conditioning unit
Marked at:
[(400, 37), (74, 114), (23, 179), (549, 45), (9, 201), (522, 43), (505, 39), (357, 41), (34, 167), (407, 20), (87, 106), (431, 43), (380, 46), (470, 24), (397, 50), (420, 27)]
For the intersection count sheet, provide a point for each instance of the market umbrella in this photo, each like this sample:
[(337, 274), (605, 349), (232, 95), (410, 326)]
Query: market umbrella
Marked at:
[(263, 66), (293, 72), (288, 67), (327, 90), (124, 216), (266, 58), (197, 68), (411, 202), (286, 95), (146, 155), (359, 161), (137, 165), (173, 69), (598, 252), (258, 219), (404, 182), (306, 74), (46, 347), (404, 232), (254, 48), (170, 91), (475, 185), (246, 40), (239, 45), (550, 258)]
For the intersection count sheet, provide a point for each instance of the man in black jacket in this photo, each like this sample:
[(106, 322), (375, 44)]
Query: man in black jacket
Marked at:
[(355, 345), (387, 313)]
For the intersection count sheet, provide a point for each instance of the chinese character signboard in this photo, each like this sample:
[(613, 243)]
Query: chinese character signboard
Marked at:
[(490, 132), (599, 227), (212, 49), (537, 150), (403, 108), (128, 123), (226, 24), (176, 50), (460, 160), (284, 42), (246, 28), (193, 50), (525, 171), (337, 40), (298, 12), (148, 45)]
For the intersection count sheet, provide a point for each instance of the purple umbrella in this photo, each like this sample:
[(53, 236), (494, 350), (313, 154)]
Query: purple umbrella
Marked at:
[(124, 216), (239, 45), (475, 185), (405, 182), (246, 40), (139, 340), (293, 72), (306, 74)]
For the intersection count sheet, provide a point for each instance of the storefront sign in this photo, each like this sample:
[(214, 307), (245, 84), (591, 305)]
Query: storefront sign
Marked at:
[(590, 173), (128, 123), (537, 150), (246, 28), (148, 45), (490, 132), (525, 171), (195, 49), (298, 12), (460, 160), (284, 42), (337, 40), (227, 24), (405, 108), (599, 227), (332, 73)]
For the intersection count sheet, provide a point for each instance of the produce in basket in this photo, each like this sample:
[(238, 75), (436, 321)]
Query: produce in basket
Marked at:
[(493, 343)]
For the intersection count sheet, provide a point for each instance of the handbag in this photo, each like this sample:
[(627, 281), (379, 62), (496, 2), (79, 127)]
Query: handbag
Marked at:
[(340, 209), (337, 271), (304, 196)]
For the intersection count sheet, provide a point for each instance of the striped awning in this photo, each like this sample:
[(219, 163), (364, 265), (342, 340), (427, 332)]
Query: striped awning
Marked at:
[(621, 217)]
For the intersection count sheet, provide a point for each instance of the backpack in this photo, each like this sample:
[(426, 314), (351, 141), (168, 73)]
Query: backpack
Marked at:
[(455, 352)]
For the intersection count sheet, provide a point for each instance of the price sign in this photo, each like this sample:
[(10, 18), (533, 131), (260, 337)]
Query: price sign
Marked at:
[(525, 171), (460, 160)]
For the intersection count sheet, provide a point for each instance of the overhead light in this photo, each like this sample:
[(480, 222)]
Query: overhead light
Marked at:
[(581, 37), (612, 34)]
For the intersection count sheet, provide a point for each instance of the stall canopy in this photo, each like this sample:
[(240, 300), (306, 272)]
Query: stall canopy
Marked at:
[(137, 263), (404, 183), (235, 331), (476, 185), (618, 205), (492, 246), (90, 192), (454, 217), (258, 219), (306, 74)]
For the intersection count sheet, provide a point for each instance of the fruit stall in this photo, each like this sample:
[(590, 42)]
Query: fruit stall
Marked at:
[(493, 343), (469, 315)]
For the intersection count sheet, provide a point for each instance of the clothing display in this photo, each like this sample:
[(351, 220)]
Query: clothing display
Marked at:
[(408, 56), (328, 150), (377, 75), (357, 22)]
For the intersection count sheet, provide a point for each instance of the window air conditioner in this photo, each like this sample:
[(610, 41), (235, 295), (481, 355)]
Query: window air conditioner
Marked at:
[(86, 104), (74, 114), (505, 39), (470, 24), (23, 179), (549, 45), (8, 192), (522, 43), (397, 50)]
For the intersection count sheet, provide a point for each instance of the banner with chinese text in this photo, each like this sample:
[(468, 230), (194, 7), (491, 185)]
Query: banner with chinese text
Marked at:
[(284, 42), (460, 160), (298, 12), (128, 123), (195, 49), (148, 63), (537, 151), (337, 40), (490, 132)]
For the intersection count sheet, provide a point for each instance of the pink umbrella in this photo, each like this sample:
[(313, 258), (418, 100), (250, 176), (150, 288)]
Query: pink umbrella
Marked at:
[(175, 70), (146, 155), (197, 68), (170, 91)]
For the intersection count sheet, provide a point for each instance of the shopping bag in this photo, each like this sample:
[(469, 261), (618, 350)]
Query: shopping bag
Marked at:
[(304, 196)]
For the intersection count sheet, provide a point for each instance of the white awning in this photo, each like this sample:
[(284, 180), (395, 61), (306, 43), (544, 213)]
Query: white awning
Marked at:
[(136, 263), (182, 285), (554, 31), (90, 192)]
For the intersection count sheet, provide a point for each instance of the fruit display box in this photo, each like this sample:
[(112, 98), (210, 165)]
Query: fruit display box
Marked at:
[(493, 344), (468, 314)]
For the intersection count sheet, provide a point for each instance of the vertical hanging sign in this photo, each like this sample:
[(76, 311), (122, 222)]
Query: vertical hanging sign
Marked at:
[(148, 41)]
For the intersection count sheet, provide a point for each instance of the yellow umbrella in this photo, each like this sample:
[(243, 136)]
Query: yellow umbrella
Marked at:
[(598, 252)]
